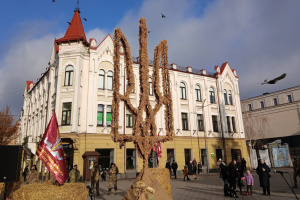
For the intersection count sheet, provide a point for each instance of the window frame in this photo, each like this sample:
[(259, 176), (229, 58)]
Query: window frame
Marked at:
[(262, 104), (290, 98), (230, 102), (70, 73), (107, 114), (275, 102), (233, 124), (225, 97), (110, 77), (182, 91), (250, 107), (65, 122), (103, 81), (198, 93), (200, 122), (228, 124), (129, 118), (184, 121), (215, 123), (102, 114), (212, 96), (133, 156)]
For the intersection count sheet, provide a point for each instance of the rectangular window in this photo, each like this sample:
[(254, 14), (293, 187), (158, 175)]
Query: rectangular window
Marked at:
[(275, 102), (170, 155), (228, 124), (108, 115), (262, 104), (203, 157), (233, 124), (187, 156), (290, 100), (184, 121), (100, 115), (200, 122), (130, 159), (215, 123), (250, 107), (106, 157), (129, 119), (66, 114)]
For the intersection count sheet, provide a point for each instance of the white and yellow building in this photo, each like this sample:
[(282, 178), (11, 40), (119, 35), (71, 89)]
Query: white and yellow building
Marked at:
[(78, 85)]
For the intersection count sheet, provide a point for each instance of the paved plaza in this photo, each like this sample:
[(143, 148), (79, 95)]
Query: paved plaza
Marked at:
[(210, 186)]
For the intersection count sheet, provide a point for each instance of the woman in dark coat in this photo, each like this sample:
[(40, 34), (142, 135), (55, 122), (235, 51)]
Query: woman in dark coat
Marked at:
[(264, 177), (233, 173)]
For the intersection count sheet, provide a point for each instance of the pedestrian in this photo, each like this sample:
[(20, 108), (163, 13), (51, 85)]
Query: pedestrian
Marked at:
[(74, 175), (195, 166), (249, 181), (95, 176), (243, 165), (186, 173), (33, 175), (174, 167), (296, 167), (239, 176), (26, 170), (199, 168), (103, 174), (113, 171), (218, 165), (225, 178), (233, 174), (168, 166), (191, 169), (264, 177)]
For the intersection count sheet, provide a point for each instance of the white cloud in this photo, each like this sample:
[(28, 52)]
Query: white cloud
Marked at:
[(98, 34), (260, 39)]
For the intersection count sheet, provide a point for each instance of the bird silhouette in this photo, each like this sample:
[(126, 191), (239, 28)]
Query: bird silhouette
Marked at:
[(69, 23), (53, 1), (273, 81), (84, 19), (149, 31), (163, 16)]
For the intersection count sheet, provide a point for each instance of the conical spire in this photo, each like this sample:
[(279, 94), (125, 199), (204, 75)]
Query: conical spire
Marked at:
[(75, 30)]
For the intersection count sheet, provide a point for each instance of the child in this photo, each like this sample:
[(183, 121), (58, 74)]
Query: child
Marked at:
[(186, 172), (249, 181)]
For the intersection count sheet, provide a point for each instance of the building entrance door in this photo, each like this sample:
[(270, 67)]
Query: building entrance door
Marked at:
[(219, 154)]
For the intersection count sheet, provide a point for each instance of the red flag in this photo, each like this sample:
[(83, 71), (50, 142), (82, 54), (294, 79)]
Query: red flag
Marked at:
[(158, 152), (51, 153)]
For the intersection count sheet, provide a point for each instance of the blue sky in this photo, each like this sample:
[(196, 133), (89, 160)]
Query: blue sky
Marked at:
[(260, 39)]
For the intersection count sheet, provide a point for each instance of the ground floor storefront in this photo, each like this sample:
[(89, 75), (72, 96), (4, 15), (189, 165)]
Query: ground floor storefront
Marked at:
[(85, 149)]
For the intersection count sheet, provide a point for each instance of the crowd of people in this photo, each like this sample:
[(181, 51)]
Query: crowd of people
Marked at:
[(32, 176)]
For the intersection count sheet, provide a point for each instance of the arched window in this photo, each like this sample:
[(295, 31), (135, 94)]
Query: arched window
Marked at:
[(101, 79), (69, 75), (198, 93), (110, 80), (225, 97), (212, 95), (230, 97), (182, 91), (150, 86)]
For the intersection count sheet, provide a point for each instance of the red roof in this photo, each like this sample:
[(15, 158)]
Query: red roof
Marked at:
[(28, 84), (75, 30)]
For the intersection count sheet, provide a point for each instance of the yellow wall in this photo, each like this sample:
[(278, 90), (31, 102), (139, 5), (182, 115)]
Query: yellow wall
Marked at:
[(90, 142)]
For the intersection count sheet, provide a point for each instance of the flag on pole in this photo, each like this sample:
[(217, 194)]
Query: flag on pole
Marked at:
[(158, 152), (50, 151)]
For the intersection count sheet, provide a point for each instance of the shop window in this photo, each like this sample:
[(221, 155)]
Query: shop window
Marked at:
[(130, 159)]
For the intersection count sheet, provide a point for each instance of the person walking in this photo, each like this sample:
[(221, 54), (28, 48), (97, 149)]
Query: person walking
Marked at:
[(239, 177), (233, 174), (195, 166), (191, 169), (174, 167), (168, 166), (218, 165), (225, 178), (95, 176), (249, 181), (74, 175), (186, 173), (296, 167), (33, 175), (113, 171), (26, 170), (199, 168), (264, 177)]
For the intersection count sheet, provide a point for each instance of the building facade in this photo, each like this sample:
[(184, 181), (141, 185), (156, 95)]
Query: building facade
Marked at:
[(273, 117), (78, 85)]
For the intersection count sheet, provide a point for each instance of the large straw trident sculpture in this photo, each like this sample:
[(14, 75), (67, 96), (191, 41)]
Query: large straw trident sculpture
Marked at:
[(144, 133)]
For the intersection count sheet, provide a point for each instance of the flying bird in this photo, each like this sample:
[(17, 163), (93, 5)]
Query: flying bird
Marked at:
[(69, 23), (274, 80), (84, 19), (149, 31), (53, 1), (163, 16)]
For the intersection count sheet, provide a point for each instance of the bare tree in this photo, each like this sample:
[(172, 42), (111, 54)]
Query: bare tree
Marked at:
[(8, 129)]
